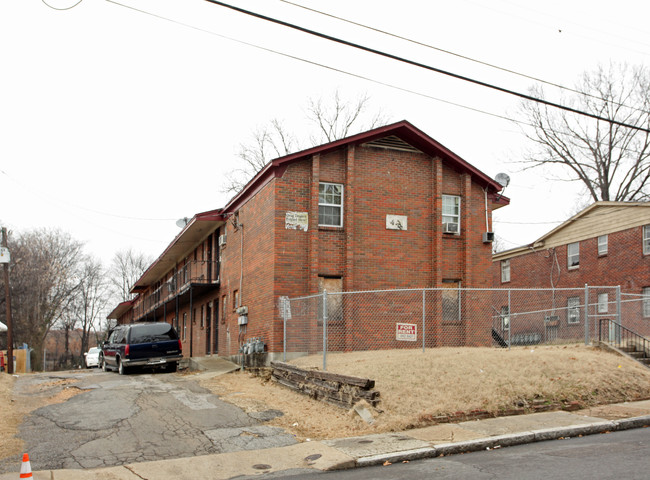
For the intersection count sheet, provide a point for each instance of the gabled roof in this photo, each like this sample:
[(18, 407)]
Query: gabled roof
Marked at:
[(402, 130), (203, 223), (599, 218)]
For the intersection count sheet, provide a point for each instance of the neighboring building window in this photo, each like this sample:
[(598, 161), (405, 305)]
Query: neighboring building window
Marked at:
[(235, 299), (330, 205), (505, 271), (505, 318), (451, 209), (602, 245), (646, 301), (184, 325), (646, 240), (573, 255), (202, 316), (603, 301), (573, 309)]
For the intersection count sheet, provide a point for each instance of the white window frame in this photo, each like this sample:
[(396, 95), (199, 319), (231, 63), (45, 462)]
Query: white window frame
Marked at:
[(571, 264), (602, 245), (451, 217), (323, 203), (505, 271), (646, 301), (646, 239), (573, 310), (603, 302)]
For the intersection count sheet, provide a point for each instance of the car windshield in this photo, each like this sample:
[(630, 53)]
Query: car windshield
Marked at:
[(93, 350), (152, 333)]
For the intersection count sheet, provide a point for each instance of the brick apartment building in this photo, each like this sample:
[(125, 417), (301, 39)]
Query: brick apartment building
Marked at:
[(605, 245), (388, 208)]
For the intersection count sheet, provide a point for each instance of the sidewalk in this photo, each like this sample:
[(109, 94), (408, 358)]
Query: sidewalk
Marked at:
[(437, 440)]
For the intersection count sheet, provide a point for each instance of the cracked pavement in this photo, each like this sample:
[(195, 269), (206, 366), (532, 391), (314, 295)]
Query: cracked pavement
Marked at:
[(134, 418)]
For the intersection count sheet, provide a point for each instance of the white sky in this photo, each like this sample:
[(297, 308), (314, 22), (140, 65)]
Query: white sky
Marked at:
[(114, 123)]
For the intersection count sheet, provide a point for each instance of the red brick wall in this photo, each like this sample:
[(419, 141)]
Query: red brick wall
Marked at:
[(624, 265)]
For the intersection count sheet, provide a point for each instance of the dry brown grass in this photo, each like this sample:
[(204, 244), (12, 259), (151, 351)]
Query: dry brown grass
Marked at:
[(416, 385)]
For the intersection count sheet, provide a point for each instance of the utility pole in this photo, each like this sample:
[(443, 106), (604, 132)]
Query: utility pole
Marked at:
[(10, 335)]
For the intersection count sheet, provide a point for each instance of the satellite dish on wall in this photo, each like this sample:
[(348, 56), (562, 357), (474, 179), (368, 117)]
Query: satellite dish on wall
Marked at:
[(502, 179), (181, 222)]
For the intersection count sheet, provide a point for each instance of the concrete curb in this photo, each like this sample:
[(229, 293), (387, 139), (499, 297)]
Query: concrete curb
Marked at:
[(634, 422), (507, 440)]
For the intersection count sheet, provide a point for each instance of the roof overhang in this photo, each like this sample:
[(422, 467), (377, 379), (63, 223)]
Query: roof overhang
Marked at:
[(120, 310), (198, 228)]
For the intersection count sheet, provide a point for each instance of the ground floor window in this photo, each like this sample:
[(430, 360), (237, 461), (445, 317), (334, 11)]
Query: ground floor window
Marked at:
[(573, 310), (646, 302)]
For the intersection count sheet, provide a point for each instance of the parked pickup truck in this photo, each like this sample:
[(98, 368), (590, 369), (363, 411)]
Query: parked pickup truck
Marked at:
[(153, 345)]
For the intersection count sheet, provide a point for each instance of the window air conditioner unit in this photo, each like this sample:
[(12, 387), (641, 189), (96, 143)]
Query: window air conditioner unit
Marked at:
[(450, 227), (488, 237), (222, 240)]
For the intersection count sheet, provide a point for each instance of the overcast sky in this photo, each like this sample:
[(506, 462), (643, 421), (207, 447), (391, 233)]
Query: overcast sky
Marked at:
[(117, 119)]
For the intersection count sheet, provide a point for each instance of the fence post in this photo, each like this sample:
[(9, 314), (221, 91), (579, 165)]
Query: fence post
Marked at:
[(586, 314), (510, 318), (424, 319), (325, 330), (619, 316)]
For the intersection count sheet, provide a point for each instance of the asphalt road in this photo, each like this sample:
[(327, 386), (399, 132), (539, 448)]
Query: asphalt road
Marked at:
[(612, 456), (134, 418)]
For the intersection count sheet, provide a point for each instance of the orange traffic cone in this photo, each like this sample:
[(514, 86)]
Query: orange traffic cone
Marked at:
[(26, 467)]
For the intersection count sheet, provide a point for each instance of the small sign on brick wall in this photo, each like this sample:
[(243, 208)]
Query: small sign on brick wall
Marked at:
[(407, 332), (396, 222), (296, 221)]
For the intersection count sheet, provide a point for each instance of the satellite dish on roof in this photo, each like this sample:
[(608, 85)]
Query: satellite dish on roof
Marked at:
[(502, 179), (181, 222)]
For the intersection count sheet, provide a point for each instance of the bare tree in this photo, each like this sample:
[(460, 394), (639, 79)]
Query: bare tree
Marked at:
[(268, 142), (126, 268), (44, 282), (332, 119), (339, 118), (611, 161), (92, 298)]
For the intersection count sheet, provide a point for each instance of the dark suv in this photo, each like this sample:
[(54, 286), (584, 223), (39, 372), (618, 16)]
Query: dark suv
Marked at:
[(141, 344)]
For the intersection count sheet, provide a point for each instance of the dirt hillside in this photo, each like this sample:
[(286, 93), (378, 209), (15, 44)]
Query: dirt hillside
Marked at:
[(416, 387)]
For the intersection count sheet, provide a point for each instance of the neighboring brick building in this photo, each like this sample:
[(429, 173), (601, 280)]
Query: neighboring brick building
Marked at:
[(388, 208), (606, 244)]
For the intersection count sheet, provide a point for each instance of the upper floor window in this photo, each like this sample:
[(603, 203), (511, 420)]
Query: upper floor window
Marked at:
[(505, 270), (451, 210), (573, 255), (602, 245), (646, 239), (330, 204)]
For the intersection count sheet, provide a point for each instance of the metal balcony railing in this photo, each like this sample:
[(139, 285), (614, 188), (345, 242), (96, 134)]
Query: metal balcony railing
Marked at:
[(192, 273)]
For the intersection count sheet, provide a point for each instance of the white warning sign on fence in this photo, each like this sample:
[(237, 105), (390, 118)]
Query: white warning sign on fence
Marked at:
[(406, 332)]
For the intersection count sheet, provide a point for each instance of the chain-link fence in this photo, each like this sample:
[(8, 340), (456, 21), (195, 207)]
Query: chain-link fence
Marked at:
[(429, 318)]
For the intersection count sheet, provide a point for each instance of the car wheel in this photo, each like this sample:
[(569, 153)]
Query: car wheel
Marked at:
[(121, 369), (172, 367), (102, 361)]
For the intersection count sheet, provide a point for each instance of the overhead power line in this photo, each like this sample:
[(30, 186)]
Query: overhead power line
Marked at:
[(321, 65), (426, 67), (458, 55)]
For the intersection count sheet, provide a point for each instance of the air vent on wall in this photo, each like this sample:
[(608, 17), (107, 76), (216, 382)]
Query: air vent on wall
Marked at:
[(393, 143)]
